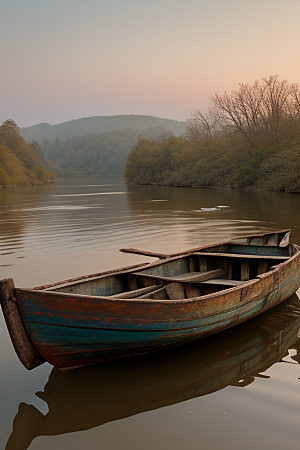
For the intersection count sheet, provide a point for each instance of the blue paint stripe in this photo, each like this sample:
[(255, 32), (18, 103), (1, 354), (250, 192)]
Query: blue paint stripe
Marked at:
[(89, 339), (118, 323)]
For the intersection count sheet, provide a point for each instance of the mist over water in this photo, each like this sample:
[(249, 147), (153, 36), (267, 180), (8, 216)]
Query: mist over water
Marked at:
[(76, 227)]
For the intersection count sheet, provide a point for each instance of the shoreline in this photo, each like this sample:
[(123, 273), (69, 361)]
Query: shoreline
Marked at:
[(254, 188), (37, 183)]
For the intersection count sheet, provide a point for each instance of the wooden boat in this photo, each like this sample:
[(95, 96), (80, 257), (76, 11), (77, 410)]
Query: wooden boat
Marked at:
[(148, 307), (93, 396)]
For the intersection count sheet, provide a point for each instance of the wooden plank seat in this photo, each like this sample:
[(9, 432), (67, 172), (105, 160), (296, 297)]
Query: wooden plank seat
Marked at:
[(190, 277), (242, 255)]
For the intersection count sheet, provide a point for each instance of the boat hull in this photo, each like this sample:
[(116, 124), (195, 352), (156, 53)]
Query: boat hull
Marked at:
[(76, 330), (60, 325)]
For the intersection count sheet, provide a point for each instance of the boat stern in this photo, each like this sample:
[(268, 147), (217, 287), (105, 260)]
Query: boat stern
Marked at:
[(27, 353)]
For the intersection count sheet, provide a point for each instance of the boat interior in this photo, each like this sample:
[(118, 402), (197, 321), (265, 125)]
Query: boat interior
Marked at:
[(211, 269)]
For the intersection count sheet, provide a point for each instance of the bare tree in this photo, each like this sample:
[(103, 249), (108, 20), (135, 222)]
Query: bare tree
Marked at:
[(203, 127), (259, 111), (295, 96), (264, 113)]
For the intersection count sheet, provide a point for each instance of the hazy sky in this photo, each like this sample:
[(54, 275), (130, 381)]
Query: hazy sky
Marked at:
[(66, 59)]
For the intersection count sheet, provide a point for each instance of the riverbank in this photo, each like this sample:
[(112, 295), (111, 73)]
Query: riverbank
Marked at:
[(182, 162), (37, 183)]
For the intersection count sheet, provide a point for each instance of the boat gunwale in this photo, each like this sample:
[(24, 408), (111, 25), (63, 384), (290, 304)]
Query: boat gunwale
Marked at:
[(232, 242), (171, 257), (257, 279)]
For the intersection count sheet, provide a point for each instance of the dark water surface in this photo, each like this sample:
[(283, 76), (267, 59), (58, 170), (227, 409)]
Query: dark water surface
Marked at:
[(236, 390)]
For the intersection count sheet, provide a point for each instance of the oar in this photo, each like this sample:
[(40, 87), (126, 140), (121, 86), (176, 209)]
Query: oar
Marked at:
[(144, 252)]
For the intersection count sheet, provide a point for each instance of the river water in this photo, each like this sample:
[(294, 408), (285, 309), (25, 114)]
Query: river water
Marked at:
[(236, 390)]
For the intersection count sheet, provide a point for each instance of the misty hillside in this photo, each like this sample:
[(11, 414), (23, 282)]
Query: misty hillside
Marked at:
[(99, 124), (96, 153)]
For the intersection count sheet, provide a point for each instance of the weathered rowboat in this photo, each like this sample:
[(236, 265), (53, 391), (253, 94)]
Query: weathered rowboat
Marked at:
[(148, 307)]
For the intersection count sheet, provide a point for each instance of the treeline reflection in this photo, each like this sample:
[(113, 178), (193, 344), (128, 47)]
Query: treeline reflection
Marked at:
[(246, 204)]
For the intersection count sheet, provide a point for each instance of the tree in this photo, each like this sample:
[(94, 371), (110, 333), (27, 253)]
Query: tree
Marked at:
[(259, 111), (9, 126), (264, 113), (35, 145), (202, 126)]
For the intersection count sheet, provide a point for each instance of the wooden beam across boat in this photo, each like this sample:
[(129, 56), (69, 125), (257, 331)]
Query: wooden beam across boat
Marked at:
[(190, 277), (242, 256)]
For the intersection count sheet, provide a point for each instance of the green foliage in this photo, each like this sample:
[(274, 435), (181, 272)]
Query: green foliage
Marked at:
[(180, 162), (280, 171), (37, 148), (19, 163), (156, 162), (9, 135), (42, 174)]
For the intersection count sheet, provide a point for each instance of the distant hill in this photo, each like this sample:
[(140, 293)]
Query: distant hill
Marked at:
[(96, 153), (99, 124)]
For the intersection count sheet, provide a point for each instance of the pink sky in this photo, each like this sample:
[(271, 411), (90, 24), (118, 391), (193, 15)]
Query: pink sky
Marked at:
[(66, 59)]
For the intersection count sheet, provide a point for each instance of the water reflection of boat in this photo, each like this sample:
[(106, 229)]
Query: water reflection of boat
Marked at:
[(142, 309), (92, 396)]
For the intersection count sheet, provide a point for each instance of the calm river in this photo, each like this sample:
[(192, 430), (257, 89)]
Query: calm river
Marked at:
[(236, 390)]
